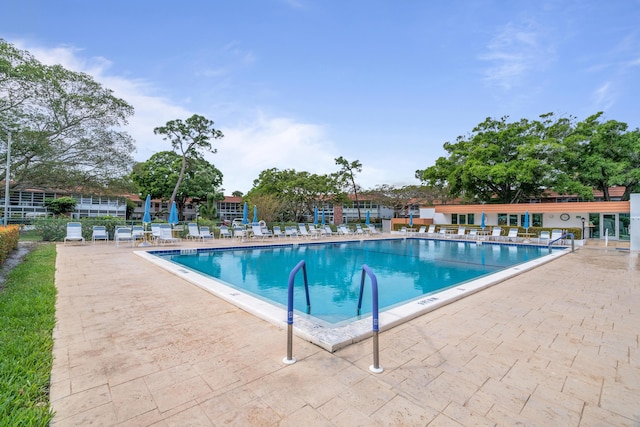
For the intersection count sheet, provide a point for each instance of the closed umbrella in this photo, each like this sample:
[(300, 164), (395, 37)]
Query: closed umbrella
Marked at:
[(147, 210), (410, 219), (368, 218), (526, 221), (173, 215), (245, 214), (315, 216), (323, 217), (255, 214), (482, 221)]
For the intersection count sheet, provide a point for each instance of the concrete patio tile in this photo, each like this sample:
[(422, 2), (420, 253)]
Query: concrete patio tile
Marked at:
[(401, 411), (443, 420), (528, 351), (465, 416), (132, 399)]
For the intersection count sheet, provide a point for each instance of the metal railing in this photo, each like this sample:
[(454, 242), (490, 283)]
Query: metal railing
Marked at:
[(289, 360), (366, 271), (564, 236)]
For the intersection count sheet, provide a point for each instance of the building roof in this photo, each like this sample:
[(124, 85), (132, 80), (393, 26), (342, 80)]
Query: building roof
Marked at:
[(612, 207)]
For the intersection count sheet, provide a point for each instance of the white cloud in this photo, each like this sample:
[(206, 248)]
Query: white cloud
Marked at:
[(514, 53), (603, 97)]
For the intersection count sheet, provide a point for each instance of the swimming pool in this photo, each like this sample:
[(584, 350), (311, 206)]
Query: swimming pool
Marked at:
[(413, 275)]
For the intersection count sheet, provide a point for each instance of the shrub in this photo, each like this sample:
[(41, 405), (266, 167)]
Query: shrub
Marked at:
[(9, 237)]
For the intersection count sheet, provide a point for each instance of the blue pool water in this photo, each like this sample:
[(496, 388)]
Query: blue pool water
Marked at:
[(406, 269)]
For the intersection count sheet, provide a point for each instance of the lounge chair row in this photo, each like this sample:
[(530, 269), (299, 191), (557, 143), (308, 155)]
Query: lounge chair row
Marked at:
[(495, 234), (260, 231), (159, 234)]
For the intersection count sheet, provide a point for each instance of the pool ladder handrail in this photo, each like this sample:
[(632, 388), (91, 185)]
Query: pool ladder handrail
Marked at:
[(564, 236), (289, 360), (366, 271)]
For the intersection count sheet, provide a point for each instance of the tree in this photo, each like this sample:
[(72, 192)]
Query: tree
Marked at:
[(604, 154), (67, 126), (159, 176), (269, 207), (208, 209), (189, 138), (61, 205), (296, 192), (237, 193), (501, 161), (346, 175), (399, 198)]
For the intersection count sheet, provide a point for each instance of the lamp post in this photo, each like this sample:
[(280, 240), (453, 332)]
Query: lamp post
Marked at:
[(6, 179)]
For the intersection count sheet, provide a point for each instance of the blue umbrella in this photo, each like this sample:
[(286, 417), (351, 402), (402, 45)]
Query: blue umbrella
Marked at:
[(410, 219), (255, 213), (323, 217), (245, 214), (173, 215), (368, 218), (526, 220), (315, 215), (147, 210), (482, 221)]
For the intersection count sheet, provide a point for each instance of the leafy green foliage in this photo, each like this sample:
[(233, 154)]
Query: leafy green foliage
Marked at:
[(208, 210), (508, 162), (61, 205), (190, 138), (9, 237), (346, 177), (159, 176), (67, 125), (54, 230), (27, 304)]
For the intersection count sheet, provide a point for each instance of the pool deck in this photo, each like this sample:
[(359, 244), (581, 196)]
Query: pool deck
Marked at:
[(135, 345)]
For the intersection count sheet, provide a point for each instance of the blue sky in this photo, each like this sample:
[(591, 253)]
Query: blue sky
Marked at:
[(297, 83)]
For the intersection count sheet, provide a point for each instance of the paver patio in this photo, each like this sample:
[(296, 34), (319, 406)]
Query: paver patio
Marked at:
[(137, 346)]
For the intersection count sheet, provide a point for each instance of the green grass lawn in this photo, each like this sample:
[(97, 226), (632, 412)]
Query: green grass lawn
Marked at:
[(27, 318)]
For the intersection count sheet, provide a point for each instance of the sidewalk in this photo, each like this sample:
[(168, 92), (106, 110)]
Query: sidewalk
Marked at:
[(137, 346)]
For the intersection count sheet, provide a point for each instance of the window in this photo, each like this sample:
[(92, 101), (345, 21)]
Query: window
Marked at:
[(454, 218), (462, 219), (513, 219), (502, 219), (471, 219)]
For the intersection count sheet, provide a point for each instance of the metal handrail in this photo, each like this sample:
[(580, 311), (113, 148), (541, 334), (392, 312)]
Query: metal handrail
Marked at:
[(374, 313), (564, 236), (292, 276)]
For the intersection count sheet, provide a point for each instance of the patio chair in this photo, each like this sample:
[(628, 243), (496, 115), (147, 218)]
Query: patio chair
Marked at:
[(461, 234), (205, 233), (556, 234), (513, 234), (290, 231), (239, 232), (344, 231), (431, 231), (422, 231), (99, 233), (496, 233), (328, 231), (224, 232), (123, 234), (257, 232), (473, 234), (193, 232), (137, 231), (166, 235), (303, 231), (155, 232), (544, 237), (373, 229), (74, 233), (359, 229), (277, 232)]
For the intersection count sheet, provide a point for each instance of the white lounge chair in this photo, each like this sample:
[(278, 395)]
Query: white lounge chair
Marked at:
[(496, 233), (513, 235), (74, 233), (373, 230), (544, 237), (303, 231), (461, 232), (224, 232), (277, 232), (422, 231), (473, 234), (155, 232), (123, 234), (556, 234), (344, 231), (193, 232), (290, 231), (137, 231), (166, 235), (258, 233), (239, 232), (99, 233), (205, 233), (431, 231), (328, 231), (359, 229)]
